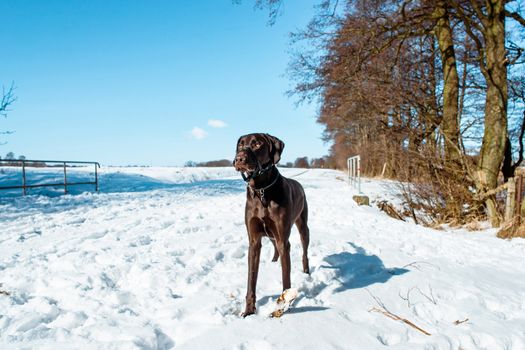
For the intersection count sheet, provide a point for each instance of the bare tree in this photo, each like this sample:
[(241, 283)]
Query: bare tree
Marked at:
[(301, 162), (399, 82), (484, 22), (8, 98)]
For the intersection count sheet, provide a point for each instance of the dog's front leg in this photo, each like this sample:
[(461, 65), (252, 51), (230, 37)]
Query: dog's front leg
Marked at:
[(284, 253), (283, 246), (254, 254)]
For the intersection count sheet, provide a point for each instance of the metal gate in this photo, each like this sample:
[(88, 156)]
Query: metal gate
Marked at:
[(24, 163), (354, 171)]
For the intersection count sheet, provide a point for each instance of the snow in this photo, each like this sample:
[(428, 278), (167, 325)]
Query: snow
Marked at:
[(157, 260)]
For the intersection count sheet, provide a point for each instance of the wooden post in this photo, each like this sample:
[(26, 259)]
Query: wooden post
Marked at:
[(383, 171), (510, 205), (519, 190)]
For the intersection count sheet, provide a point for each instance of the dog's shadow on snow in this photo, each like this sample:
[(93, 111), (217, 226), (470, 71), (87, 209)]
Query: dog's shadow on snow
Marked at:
[(295, 309), (353, 270), (301, 309), (359, 269)]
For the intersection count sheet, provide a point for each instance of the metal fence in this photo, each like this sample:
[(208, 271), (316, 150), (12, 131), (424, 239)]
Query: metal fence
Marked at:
[(64, 164), (354, 171)]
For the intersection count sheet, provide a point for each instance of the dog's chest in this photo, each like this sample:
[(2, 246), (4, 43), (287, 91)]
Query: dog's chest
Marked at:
[(271, 211)]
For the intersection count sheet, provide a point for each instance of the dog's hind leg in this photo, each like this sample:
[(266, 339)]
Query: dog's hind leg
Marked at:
[(269, 230), (275, 251), (304, 232)]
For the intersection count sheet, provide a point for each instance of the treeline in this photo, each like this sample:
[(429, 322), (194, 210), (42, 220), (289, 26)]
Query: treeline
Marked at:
[(300, 162), (211, 163), (427, 92), (11, 160), (304, 162), (11, 156)]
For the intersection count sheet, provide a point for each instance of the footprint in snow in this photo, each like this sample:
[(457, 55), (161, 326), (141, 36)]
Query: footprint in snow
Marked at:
[(388, 339)]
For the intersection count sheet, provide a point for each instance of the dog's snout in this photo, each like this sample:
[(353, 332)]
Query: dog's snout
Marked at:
[(239, 161), (241, 158)]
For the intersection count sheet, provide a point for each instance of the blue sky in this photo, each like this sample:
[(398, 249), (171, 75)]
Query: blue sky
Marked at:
[(126, 82)]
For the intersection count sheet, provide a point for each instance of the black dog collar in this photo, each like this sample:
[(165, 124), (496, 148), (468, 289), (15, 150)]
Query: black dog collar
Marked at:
[(261, 190), (257, 172)]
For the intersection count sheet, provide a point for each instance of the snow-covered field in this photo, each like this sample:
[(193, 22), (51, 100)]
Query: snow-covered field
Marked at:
[(158, 260)]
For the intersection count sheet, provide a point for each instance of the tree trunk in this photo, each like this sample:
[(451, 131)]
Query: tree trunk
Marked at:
[(495, 135), (450, 123), (462, 94)]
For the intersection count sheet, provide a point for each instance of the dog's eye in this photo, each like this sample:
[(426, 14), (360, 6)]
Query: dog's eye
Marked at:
[(257, 145)]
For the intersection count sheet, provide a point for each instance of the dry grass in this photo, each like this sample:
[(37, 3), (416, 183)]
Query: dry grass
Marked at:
[(513, 229), (474, 225)]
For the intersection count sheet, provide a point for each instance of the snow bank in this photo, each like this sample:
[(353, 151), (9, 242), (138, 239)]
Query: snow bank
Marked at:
[(158, 260), (111, 179)]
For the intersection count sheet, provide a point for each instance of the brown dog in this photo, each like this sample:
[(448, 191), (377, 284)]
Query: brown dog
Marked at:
[(273, 204)]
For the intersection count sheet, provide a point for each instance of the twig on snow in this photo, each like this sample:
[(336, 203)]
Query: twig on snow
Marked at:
[(383, 310), (430, 297), (398, 318), (458, 322), (3, 292)]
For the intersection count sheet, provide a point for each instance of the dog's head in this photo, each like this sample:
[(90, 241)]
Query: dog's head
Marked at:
[(256, 150)]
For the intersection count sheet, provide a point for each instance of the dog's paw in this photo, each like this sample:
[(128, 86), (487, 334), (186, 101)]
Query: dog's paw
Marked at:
[(249, 311)]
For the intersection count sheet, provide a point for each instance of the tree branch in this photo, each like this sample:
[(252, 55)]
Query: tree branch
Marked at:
[(8, 98), (515, 16)]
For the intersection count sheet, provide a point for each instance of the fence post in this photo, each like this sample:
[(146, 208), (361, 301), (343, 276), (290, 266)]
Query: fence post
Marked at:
[(65, 179), (510, 205), (359, 174), (348, 166), (354, 171), (383, 171), (519, 191), (96, 177), (24, 177)]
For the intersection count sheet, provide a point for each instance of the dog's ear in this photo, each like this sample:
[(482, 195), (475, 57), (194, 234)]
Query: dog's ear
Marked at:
[(277, 148)]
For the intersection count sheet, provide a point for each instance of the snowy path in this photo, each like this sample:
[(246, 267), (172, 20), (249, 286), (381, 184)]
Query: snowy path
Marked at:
[(166, 267)]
